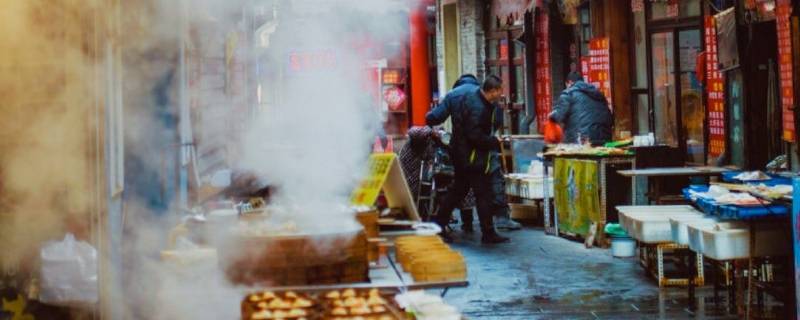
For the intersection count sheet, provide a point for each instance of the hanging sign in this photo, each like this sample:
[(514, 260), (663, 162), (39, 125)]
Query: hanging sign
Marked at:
[(783, 13), (394, 97), (544, 99), (600, 66), (715, 100)]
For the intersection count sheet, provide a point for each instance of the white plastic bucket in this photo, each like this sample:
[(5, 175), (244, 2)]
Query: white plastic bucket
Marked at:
[(623, 247)]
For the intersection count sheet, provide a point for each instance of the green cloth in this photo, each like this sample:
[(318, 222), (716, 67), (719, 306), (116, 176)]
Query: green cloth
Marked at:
[(577, 198)]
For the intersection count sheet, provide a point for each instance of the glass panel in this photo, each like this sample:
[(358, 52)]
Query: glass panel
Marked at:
[(663, 65), (493, 46), (674, 9), (519, 91), (692, 110), (736, 114), (640, 50), (519, 49), (641, 106)]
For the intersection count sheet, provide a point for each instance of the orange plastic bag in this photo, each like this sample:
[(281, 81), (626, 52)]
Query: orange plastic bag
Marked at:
[(552, 132)]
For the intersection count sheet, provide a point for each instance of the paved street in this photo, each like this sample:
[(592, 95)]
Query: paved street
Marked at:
[(544, 277)]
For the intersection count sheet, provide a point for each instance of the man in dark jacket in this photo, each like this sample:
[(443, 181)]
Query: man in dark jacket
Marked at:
[(472, 112), (583, 112)]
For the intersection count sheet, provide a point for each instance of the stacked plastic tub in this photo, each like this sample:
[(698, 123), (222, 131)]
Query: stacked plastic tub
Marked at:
[(725, 235), (651, 224)]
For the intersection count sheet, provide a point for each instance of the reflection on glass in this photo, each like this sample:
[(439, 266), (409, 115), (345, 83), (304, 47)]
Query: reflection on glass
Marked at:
[(664, 88), (642, 114), (685, 8), (519, 91), (736, 134), (692, 109), (640, 45), (493, 46)]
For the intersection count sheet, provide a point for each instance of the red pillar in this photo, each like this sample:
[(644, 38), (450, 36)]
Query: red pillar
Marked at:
[(419, 69)]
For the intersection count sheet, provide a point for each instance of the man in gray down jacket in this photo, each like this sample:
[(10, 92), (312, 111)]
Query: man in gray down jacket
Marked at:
[(583, 112)]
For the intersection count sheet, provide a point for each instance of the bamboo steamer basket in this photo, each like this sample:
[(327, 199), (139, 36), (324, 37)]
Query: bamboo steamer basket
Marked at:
[(299, 259), (439, 267), (369, 220)]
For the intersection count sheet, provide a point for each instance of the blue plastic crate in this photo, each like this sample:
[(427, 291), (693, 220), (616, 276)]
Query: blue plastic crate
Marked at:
[(744, 213), (772, 181)]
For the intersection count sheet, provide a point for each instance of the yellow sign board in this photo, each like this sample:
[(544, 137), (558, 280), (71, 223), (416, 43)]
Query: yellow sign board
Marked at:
[(385, 174)]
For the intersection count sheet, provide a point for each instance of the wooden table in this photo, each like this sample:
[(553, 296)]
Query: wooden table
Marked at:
[(671, 172)]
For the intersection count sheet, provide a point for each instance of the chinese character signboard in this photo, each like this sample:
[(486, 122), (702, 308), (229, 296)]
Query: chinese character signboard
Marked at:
[(544, 99), (715, 101), (600, 66), (783, 12)]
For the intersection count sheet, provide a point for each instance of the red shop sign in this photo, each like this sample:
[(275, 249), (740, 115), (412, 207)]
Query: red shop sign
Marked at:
[(600, 66), (783, 12), (544, 99), (715, 99)]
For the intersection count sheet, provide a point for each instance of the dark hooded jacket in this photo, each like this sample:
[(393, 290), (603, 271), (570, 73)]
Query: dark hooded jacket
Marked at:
[(474, 119), (582, 109)]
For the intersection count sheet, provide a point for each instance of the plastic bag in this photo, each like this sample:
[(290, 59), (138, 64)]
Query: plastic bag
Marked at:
[(68, 272), (552, 132)]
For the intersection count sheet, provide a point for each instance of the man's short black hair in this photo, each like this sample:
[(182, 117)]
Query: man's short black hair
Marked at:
[(492, 82), (574, 76)]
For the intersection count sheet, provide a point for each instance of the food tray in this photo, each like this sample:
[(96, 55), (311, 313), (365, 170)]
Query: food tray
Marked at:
[(364, 304)]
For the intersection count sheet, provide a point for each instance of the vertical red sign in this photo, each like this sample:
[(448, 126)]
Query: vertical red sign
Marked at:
[(783, 11), (715, 99), (544, 99), (585, 67), (600, 67)]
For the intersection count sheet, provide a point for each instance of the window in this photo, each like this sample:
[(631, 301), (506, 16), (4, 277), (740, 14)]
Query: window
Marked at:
[(664, 104), (692, 110), (671, 9), (585, 29)]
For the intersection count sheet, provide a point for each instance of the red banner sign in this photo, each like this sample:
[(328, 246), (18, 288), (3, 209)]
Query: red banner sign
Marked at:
[(600, 67), (783, 12), (715, 99), (544, 97)]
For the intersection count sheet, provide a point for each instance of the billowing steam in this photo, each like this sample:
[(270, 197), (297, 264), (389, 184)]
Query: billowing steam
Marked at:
[(310, 142)]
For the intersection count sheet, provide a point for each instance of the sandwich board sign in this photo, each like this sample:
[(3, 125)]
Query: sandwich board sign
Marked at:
[(385, 174)]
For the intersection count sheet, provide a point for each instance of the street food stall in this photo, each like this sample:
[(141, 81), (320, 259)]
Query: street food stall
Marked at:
[(582, 178)]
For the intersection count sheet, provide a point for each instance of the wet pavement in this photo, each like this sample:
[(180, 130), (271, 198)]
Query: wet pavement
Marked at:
[(544, 277)]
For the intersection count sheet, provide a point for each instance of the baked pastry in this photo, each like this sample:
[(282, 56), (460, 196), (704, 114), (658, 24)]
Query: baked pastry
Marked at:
[(254, 298), (260, 315), (290, 295), (302, 303), (348, 293), (262, 305), (360, 310), (333, 295), (339, 311), (375, 300), (268, 295), (378, 309)]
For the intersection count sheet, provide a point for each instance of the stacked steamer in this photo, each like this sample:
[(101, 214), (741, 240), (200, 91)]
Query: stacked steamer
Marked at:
[(368, 218), (296, 258), (428, 258)]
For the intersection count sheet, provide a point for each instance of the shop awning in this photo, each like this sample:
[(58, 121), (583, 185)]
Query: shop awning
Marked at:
[(512, 12)]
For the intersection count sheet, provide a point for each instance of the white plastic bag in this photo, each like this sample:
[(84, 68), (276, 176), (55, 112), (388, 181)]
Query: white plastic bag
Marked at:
[(69, 272)]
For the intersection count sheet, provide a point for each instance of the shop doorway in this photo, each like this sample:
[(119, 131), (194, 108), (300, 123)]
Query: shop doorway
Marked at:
[(505, 58), (678, 111)]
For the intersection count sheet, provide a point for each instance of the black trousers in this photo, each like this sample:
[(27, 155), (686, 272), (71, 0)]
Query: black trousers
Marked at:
[(490, 199)]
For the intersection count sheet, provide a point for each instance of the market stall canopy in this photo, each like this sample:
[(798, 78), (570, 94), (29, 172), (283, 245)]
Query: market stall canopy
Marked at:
[(512, 12)]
